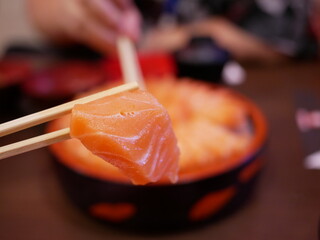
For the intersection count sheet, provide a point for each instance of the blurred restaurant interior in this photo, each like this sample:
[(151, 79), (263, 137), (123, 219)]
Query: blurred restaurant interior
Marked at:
[(241, 82)]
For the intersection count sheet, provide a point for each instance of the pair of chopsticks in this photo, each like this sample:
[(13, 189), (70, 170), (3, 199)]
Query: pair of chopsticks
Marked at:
[(133, 80)]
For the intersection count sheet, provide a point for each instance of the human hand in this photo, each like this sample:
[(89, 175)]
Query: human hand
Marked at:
[(97, 23)]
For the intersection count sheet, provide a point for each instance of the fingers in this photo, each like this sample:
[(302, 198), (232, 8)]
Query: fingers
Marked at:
[(81, 26), (105, 12), (100, 38), (97, 23), (123, 4), (108, 19), (131, 24)]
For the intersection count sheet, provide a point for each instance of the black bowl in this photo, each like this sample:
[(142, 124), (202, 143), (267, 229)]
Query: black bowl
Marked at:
[(201, 59), (197, 198)]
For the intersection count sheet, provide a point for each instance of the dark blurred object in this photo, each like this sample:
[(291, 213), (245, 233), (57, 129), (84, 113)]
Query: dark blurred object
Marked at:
[(150, 10), (13, 71), (315, 24), (53, 52), (201, 59), (10, 103)]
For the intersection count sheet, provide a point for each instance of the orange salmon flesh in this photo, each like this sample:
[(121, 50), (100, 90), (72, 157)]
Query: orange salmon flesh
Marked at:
[(132, 131)]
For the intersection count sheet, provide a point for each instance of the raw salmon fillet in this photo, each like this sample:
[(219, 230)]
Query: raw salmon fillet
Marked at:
[(132, 131)]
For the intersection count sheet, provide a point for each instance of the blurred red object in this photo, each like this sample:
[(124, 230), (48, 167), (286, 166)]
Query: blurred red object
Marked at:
[(13, 71), (152, 64), (64, 80)]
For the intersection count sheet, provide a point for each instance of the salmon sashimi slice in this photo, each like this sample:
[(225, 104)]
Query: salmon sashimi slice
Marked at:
[(132, 131)]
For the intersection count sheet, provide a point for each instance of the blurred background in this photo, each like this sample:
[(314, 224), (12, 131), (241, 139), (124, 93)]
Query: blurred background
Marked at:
[(267, 50), (289, 28)]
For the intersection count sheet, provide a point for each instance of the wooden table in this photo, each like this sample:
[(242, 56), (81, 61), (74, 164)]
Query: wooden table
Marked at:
[(285, 204)]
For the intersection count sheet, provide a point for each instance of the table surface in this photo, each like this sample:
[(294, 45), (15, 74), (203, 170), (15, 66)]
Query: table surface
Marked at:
[(284, 205)]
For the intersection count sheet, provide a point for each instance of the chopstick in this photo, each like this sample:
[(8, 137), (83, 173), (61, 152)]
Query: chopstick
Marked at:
[(34, 143), (132, 76), (58, 111), (48, 115), (131, 70)]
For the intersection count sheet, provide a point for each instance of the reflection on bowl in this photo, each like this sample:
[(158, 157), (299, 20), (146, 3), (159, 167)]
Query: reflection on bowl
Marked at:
[(220, 135)]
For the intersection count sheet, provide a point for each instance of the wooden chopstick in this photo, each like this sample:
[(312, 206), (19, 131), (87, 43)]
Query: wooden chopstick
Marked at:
[(131, 70), (58, 111), (48, 115), (132, 76), (34, 143)]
